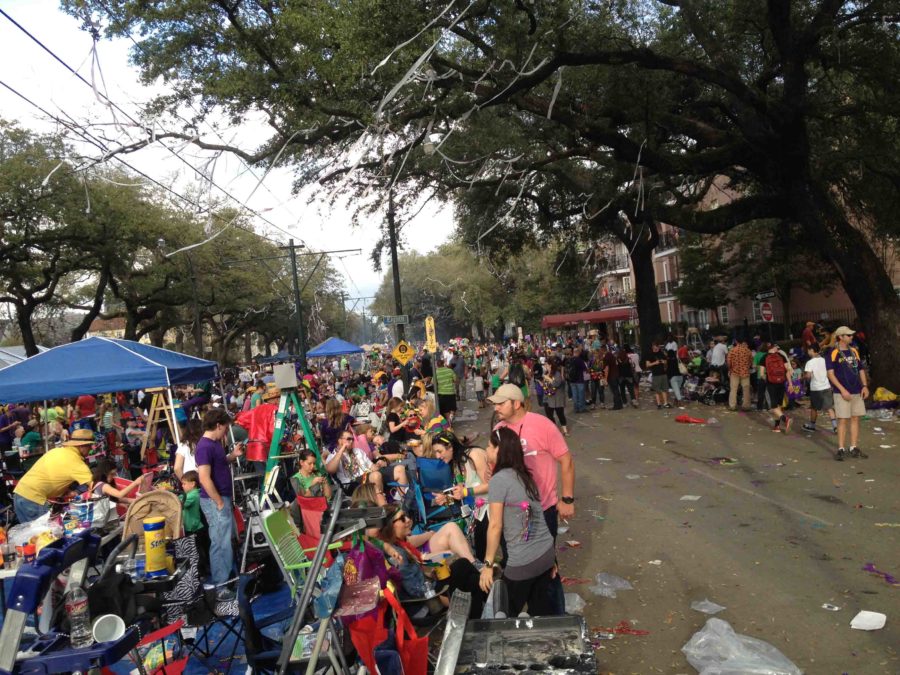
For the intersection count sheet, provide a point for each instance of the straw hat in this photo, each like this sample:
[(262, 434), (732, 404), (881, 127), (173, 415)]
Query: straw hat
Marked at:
[(80, 437), (272, 391)]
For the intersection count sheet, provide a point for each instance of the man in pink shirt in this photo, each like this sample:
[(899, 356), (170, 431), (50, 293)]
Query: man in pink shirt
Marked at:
[(544, 448)]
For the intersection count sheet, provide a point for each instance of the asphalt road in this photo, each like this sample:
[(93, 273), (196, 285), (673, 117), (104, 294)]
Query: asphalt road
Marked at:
[(774, 536)]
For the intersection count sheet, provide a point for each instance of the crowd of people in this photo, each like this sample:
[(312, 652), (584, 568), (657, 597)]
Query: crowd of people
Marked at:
[(373, 422)]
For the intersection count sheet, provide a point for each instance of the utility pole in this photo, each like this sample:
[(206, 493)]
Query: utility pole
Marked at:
[(344, 314), (395, 264), (298, 290), (298, 305)]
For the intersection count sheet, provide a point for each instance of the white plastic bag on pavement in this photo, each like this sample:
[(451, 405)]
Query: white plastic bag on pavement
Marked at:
[(717, 650), (574, 603), (706, 606), (607, 585)]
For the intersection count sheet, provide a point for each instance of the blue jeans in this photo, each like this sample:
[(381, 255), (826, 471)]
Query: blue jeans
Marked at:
[(578, 396), (221, 530), (676, 382), (27, 510)]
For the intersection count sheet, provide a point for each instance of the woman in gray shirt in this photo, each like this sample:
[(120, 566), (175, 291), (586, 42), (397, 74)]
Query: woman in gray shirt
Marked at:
[(514, 509)]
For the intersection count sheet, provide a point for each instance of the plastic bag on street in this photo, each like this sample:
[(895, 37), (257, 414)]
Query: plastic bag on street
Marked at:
[(717, 650), (607, 585), (706, 606), (574, 603)]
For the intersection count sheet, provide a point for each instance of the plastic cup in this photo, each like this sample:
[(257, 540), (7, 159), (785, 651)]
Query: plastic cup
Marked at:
[(108, 627)]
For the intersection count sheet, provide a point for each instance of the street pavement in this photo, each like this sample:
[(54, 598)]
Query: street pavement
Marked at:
[(779, 530)]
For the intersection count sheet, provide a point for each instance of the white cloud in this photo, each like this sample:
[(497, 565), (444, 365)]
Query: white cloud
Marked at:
[(33, 72)]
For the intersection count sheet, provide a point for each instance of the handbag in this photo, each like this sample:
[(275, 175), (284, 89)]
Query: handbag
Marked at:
[(413, 649), (682, 369)]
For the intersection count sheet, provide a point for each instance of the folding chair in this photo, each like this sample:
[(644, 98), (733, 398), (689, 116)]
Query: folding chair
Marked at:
[(284, 541), (197, 607), (433, 476)]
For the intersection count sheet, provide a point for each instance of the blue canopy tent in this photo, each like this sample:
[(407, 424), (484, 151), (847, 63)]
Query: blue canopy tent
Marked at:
[(99, 365), (332, 347)]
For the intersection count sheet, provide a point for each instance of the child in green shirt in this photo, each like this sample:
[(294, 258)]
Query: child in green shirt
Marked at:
[(495, 380), (191, 502)]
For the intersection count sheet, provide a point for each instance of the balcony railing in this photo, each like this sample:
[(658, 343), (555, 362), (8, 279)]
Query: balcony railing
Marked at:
[(612, 263), (615, 299), (667, 240), (666, 287)]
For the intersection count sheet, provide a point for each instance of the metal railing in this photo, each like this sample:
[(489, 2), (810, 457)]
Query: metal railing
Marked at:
[(612, 263), (615, 299), (666, 287), (667, 240)]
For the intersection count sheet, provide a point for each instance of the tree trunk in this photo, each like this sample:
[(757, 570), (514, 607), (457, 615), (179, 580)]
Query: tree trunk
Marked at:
[(248, 347), (130, 326), (158, 336), (179, 341), (82, 328), (784, 294), (645, 296), (24, 313), (862, 274)]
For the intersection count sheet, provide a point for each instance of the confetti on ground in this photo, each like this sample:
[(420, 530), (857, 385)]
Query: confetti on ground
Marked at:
[(574, 581), (621, 628), (887, 524), (690, 498), (889, 578)]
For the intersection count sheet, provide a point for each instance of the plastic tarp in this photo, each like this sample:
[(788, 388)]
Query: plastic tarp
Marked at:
[(333, 347), (99, 365)]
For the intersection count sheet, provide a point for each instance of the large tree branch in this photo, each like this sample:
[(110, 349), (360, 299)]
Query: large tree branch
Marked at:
[(727, 217)]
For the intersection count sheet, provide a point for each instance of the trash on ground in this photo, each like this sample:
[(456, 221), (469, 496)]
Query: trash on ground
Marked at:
[(632, 476), (712, 420), (687, 419), (830, 607), (604, 459), (654, 562), (574, 581), (707, 606), (889, 578), (887, 524), (885, 447), (866, 620), (870, 480), (690, 498), (606, 585), (573, 544), (716, 649), (727, 461), (622, 628), (666, 441), (574, 603), (562, 529), (603, 635)]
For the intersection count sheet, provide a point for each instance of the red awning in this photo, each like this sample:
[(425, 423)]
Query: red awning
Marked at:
[(601, 316)]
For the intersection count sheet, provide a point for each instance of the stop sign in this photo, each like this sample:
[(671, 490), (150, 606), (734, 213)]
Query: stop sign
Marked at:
[(765, 311)]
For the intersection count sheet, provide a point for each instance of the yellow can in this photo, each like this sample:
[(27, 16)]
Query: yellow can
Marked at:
[(155, 547)]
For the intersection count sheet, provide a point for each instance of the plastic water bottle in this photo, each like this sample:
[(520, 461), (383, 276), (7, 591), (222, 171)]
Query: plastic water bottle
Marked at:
[(79, 618)]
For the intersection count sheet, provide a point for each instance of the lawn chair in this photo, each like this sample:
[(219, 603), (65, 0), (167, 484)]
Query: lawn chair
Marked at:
[(433, 476), (196, 606), (158, 503), (283, 539)]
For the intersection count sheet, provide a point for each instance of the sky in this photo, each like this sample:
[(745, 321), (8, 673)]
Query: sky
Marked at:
[(34, 73)]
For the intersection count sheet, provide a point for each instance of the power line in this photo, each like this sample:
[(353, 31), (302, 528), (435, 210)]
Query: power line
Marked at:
[(139, 125), (93, 140)]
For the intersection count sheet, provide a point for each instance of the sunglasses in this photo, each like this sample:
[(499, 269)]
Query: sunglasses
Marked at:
[(400, 515)]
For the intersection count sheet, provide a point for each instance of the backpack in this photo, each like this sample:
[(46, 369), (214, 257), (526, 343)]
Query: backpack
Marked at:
[(776, 373)]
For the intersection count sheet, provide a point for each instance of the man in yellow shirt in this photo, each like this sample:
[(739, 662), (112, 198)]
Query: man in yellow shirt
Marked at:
[(53, 475)]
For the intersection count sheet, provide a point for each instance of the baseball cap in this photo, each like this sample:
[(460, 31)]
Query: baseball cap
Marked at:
[(844, 330), (507, 392)]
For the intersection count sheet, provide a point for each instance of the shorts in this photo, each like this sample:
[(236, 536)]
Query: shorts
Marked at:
[(774, 395), (821, 400), (479, 395), (659, 384), (844, 410)]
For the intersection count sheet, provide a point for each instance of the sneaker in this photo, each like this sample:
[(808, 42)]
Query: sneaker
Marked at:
[(634, 403), (856, 452), (659, 406), (840, 454), (809, 427), (667, 405)]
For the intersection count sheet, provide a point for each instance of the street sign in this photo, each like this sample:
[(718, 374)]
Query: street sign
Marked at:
[(430, 335), (396, 320), (765, 295), (765, 311), (403, 352)]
